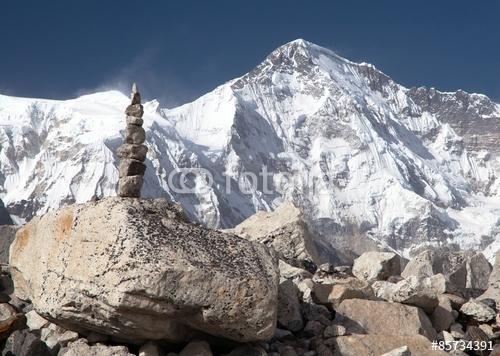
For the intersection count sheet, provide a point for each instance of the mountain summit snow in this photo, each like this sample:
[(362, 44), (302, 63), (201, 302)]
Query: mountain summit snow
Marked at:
[(370, 162)]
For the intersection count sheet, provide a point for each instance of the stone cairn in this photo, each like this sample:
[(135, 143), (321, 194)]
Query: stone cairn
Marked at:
[(133, 152)]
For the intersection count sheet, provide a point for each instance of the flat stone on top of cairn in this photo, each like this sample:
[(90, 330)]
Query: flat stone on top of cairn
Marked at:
[(133, 151)]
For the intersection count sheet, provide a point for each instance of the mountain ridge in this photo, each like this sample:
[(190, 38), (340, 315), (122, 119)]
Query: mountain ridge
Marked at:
[(377, 164)]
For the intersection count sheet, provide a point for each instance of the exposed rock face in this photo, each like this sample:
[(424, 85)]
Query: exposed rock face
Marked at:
[(414, 291), (384, 318), (136, 269), (465, 271), (478, 311), (340, 290), (7, 235), (286, 231), (132, 152), (493, 290), (373, 265)]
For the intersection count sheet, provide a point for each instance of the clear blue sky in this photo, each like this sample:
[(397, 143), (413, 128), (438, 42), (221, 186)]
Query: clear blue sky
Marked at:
[(178, 50)]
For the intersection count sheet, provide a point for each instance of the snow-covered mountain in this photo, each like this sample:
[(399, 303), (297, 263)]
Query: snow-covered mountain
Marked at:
[(369, 161)]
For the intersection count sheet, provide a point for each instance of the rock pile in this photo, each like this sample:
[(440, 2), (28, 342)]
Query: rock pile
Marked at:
[(133, 277), (133, 151)]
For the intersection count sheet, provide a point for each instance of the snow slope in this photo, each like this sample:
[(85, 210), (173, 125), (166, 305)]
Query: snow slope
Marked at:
[(371, 163)]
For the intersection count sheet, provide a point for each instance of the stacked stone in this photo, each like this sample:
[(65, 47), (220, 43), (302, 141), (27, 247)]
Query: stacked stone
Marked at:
[(133, 151)]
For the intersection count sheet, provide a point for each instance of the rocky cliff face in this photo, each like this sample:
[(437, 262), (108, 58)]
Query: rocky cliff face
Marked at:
[(371, 163)]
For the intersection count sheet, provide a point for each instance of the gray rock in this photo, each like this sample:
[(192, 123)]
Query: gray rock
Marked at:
[(7, 235), (464, 270), (134, 135), (312, 311), (443, 316), (34, 321), (457, 331), (413, 291), (24, 343), (136, 110), (289, 308), (380, 317), (196, 348), (131, 167), (130, 187), (313, 328), (493, 290), (197, 278), (286, 230), (334, 330), (372, 266), (131, 151), (340, 289), (132, 120), (80, 348), (478, 311)]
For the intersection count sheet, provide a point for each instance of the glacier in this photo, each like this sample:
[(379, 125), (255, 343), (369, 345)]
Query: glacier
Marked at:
[(371, 163)]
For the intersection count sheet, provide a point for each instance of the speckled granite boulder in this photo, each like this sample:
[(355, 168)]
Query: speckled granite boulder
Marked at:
[(138, 270)]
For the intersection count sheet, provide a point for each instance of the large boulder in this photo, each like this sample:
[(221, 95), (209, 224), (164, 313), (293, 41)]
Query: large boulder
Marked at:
[(138, 270), (493, 291), (465, 271), (379, 317), (286, 230), (357, 345), (341, 289), (373, 265), (417, 292)]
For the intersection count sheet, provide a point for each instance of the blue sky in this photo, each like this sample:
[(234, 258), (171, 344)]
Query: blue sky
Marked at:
[(178, 50)]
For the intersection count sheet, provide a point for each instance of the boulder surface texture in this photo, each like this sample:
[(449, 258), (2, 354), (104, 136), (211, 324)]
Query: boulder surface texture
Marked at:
[(138, 270)]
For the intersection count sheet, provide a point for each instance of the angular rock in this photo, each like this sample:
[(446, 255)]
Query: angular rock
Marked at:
[(457, 331), (7, 235), (464, 270), (334, 331), (493, 290), (289, 308), (34, 321), (373, 265), (136, 110), (131, 151), (130, 186), (134, 135), (196, 348), (346, 288), (131, 167), (135, 269), (478, 272), (286, 230), (289, 272), (24, 343), (132, 120), (379, 317), (413, 291), (357, 345), (383, 289), (80, 348), (442, 317), (316, 312), (478, 311)]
